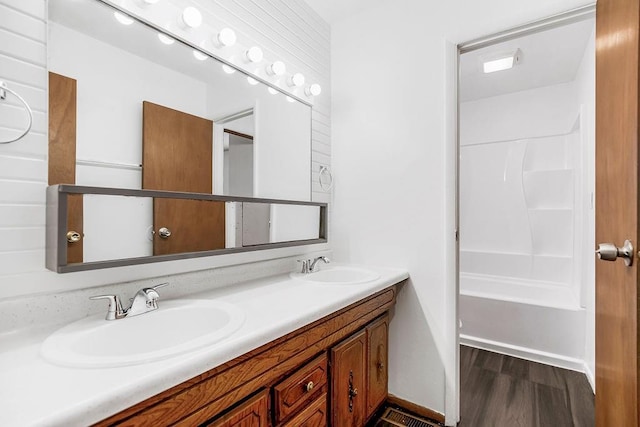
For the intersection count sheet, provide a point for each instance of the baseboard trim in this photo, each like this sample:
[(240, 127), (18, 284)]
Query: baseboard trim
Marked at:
[(525, 353), (415, 408), (590, 377)]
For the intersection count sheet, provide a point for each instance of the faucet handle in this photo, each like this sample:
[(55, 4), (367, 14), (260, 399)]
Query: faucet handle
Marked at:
[(305, 265), (115, 306)]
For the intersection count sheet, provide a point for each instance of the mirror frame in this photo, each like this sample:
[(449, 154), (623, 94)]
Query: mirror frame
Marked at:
[(56, 241)]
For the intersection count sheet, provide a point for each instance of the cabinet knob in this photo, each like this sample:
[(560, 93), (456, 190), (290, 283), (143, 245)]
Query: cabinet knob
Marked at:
[(309, 386), (380, 366)]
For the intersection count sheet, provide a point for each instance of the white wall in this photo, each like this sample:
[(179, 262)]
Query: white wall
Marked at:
[(394, 167), (292, 33)]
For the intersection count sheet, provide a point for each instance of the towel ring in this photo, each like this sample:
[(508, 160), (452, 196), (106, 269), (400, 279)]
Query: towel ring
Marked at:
[(325, 172), (3, 95)]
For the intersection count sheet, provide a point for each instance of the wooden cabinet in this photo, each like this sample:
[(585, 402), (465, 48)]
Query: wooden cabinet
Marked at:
[(377, 367), (287, 382), (253, 413), (299, 388), (359, 374), (314, 415), (348, 371)]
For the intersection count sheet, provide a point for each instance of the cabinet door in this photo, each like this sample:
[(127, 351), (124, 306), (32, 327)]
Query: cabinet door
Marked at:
[(252, 413), (377, 355), (348, 395)]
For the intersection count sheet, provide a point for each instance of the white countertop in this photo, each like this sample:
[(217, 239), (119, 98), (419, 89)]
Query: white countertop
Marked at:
[(34, 392)]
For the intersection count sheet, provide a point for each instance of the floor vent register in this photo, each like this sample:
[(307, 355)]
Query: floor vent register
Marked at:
[(395, 418)]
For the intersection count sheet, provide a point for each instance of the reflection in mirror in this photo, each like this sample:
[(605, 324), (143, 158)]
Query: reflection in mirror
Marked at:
[(117, 68), (122, 227)]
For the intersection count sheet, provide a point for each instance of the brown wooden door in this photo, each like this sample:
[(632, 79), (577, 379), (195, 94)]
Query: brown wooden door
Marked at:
[(377, 356), (177, 156), (253, 413), (62, 153), (617, 26), (348, 393)]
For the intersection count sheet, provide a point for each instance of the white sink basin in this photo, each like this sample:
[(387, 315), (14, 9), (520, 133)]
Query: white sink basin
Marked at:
[(175, 327), (338, 275)]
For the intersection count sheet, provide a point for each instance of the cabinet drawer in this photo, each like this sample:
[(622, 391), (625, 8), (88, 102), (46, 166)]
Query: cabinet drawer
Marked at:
[(314, 415), (300, 387), (253, 413)]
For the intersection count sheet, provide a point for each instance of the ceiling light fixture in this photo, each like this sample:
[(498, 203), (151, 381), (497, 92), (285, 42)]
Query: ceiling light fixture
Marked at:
[(272, 91), (191, 17), (122, 18), (313, 90), (226, 37), (296, 80), (502, 62), (252, 81), (278, 68)]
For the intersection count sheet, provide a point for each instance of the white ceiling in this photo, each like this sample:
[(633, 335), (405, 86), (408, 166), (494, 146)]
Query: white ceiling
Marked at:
[(333, 11), (548, 58)]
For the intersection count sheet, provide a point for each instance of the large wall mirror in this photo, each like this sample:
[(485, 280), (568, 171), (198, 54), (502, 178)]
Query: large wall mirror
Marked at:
[(124, 227), (131, 107)]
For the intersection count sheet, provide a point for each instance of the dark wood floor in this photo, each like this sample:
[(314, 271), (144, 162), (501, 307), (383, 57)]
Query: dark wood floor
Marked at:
[(504, 391)]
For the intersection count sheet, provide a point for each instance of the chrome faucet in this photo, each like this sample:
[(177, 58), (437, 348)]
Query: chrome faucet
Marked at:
[(309, 266), (146, 300), (312, 265)]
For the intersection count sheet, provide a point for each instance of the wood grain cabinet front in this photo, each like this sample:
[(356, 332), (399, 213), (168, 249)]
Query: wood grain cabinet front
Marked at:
[(348, 370), (314, 415), (377, 367), (299, 388), (253, 413)]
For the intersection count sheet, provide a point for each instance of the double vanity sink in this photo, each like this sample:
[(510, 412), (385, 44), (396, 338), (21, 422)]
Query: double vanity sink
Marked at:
[(178, 326), (108, 366)]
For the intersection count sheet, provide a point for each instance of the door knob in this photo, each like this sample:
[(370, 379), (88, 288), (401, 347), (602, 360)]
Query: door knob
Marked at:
[(73, 237), (164, 233), (609, 252)]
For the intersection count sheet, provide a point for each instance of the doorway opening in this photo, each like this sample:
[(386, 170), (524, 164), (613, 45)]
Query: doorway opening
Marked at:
[(526, 145)]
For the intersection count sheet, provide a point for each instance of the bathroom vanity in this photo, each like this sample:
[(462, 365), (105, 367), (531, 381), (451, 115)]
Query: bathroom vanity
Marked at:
[(336, 365), (307, 353)]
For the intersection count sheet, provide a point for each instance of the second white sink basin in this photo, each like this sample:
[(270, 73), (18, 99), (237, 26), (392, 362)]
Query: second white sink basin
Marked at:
[(338, 275), (176, 327)]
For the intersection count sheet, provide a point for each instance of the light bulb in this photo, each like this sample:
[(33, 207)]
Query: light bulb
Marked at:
[(165, 39), (254, 54), (278, 68), (296, 80), (150, 1), (191, 17), (272, 91), (252, 81), (199, 55), (227, 69), (313, 90), (226, 37), (122, 18), (290, 99)]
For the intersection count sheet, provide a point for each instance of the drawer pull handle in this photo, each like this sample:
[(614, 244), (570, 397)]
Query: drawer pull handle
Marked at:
[(309, 386)]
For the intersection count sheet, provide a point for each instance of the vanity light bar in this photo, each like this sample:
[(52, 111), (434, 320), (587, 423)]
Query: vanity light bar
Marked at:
[(191, 18)]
